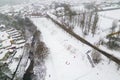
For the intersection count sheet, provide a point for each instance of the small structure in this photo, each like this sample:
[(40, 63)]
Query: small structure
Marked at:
[(2, 27)]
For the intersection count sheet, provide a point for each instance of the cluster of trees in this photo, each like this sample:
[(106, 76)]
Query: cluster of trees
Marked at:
[(38, 52), (38, 46), (87, 21), (61, 9), (23, 24), (114, 35)]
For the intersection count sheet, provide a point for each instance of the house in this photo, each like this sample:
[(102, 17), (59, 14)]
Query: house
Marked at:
[(2, 27)]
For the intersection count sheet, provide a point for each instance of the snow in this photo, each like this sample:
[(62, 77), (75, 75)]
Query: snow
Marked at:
[(20, 41), (7, 46), (113, 14), (105, 23), (102, 72), (3, 53), (15, 60), (67, 59), (113, 52), (6, 43), (60, 55), (2, 26), (28, 63), (13, 66), (5, 40), (19, 53), (20, 45), (110, 7), (73, 2), (3, 35), (78, 9)]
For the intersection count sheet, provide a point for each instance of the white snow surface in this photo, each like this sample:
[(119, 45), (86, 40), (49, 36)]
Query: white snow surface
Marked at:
[(67, 59), (3, 53), (3, 35), (15, 60)]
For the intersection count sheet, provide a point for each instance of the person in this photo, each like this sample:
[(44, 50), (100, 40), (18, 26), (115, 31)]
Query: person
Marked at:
[(31, 55), (49, 75), (68, 63)]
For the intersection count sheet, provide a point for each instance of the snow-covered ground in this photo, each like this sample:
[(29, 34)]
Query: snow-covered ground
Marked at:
[(113, 14), (106, 19), (67, 59)]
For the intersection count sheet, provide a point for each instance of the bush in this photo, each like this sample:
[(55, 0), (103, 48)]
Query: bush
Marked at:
[(41, 50), (96, 56)]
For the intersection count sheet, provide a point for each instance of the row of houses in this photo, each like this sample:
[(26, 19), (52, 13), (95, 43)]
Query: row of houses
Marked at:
[(10, 37)]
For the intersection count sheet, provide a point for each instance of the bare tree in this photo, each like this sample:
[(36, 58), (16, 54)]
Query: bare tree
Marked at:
[(83, 21), (90, 20), (112, 31), (114, 25), (94, 27)]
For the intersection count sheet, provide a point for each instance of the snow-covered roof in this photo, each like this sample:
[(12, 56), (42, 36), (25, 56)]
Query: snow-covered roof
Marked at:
[(3, 26), (3, 35)]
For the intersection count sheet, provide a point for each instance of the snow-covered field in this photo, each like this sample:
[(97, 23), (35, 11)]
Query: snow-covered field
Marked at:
[(112, 14), (106, 19), (68, 59)]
